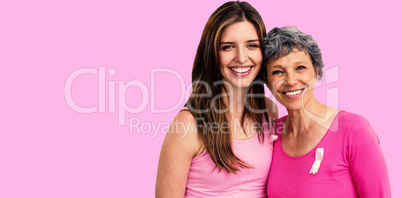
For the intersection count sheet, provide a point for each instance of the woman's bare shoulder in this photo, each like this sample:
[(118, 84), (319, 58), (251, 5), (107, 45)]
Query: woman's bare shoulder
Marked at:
[(181, 144), (183, 132)]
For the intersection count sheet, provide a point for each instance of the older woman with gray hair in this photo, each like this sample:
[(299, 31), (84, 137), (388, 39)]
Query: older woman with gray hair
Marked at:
[(320, 151)]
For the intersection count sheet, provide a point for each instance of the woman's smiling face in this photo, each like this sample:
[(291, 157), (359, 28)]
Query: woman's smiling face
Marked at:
[(291, 79), (240, 54)]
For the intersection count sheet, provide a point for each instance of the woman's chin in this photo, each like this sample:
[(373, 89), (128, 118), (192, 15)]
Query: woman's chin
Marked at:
[(293, 107), (240, 84)]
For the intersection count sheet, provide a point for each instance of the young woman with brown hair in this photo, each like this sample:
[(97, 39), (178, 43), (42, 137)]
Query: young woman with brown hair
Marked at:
[(216, 146)]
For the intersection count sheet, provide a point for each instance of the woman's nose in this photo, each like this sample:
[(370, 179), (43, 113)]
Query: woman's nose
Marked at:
[(290, 79), (241, 55)]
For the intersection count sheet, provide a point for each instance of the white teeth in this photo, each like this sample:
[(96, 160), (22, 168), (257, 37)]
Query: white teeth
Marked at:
[(240, 69), (292, 93)]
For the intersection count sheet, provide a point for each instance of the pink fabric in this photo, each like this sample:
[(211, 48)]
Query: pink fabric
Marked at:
[(352, 165), (203, 182)]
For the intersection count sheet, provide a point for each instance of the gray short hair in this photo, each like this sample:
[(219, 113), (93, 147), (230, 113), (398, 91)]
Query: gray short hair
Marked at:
[(280, 42)]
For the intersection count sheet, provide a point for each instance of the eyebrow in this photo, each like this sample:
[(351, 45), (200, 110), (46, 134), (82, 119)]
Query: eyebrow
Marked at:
[(249, 41), (296, 63), (300, 62), (276, 66)]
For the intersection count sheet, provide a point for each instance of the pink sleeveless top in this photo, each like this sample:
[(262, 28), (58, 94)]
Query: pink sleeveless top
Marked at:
[(203, 182)]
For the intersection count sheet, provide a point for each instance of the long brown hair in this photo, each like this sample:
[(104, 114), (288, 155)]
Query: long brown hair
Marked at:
[(206, 72)]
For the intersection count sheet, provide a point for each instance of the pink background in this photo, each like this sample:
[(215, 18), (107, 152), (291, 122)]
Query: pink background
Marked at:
[(47, 149)]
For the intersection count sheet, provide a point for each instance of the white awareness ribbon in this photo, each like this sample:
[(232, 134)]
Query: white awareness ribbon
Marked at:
[(319, 155), (272, 138)]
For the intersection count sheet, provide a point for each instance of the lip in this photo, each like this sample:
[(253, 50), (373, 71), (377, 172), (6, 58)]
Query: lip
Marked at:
[(294, 96), (240, 67)]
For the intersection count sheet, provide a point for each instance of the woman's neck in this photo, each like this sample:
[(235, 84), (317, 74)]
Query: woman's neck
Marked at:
[(234, 99), (305, 119)]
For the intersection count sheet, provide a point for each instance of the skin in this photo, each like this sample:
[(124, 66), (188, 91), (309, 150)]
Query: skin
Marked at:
[(182, 143), (239, 47), (308, 119)]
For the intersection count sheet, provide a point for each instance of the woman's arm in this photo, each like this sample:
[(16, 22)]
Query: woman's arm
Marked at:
[(367, 162), (181, 144)]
